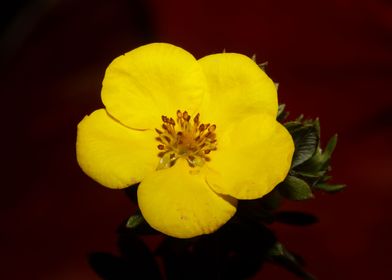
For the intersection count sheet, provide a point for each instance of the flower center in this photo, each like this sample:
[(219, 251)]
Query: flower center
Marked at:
[(183, 138)]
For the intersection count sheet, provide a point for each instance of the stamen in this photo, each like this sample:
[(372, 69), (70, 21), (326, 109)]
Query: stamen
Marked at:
[(167, 138), (181, 138)]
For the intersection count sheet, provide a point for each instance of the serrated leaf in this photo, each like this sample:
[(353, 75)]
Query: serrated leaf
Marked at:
[(134, 221), (295, 188), (329, 187), (306, 141)]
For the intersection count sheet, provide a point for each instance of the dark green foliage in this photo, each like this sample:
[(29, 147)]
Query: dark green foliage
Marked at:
[(310, 164), (295, 188)]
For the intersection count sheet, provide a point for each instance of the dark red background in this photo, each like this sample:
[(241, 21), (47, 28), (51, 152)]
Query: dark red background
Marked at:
[(333, 60)]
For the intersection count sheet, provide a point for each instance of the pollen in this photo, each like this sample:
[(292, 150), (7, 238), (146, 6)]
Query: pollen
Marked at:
[(185, 138)]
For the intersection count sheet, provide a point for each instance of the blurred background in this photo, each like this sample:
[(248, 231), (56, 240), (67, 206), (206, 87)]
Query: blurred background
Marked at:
[(333, 60)]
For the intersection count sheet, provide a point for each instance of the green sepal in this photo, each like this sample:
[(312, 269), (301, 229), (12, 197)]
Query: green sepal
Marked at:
[(295, 188)]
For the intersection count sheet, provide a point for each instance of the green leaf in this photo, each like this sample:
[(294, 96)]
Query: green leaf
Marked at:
[(279, 255), (134, 221), (295, 188), (329, 187), (306, 141)]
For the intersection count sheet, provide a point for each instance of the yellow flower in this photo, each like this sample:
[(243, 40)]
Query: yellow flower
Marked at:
[(197, 134)]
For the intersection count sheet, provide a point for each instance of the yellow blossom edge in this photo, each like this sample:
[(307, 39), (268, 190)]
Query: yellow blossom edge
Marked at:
[(117, 147), (237, 88), (112, 154), (178, 202), (253, 156), (150, 81)]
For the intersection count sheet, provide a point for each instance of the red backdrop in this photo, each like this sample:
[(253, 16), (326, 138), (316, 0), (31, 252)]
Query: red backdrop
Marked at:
[(333, 60)]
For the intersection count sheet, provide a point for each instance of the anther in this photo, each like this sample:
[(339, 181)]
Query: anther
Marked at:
[(212, 128), (161, 147), (196, 119), (167, 138)]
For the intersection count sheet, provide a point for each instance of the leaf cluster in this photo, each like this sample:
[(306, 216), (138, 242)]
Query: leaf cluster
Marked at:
[(310, 165)]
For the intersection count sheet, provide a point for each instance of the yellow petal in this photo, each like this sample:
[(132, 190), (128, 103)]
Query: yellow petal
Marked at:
[(237, 88), (150, 81), (253, 156), (112, 154), (179, 203)]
